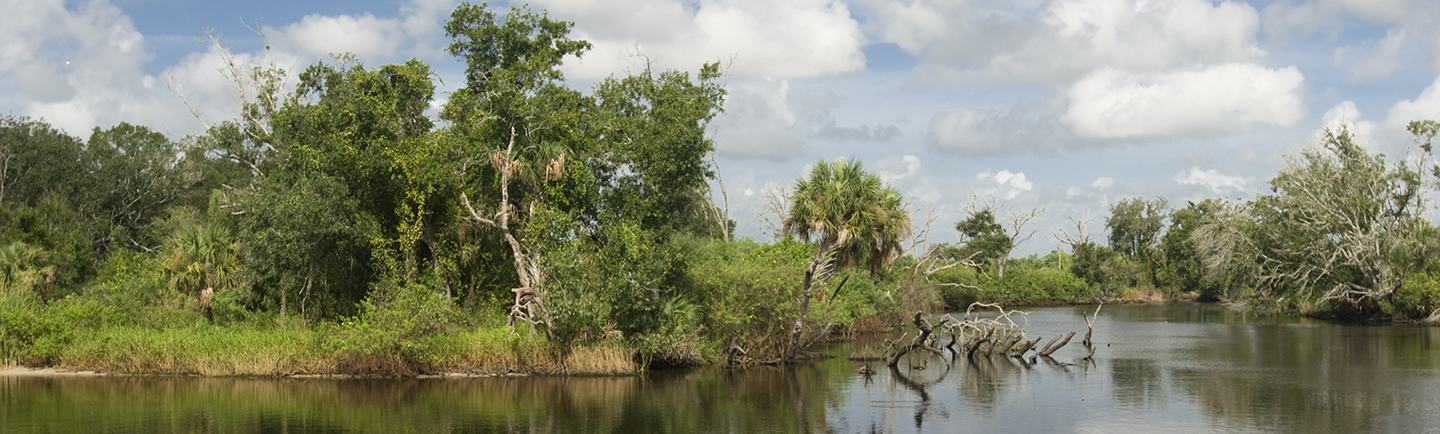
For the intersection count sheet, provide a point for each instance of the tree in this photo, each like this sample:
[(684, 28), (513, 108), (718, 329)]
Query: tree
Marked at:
[(983, 238), (853, 216), (1339, 223), (991, 241), (132, 174), (1135, 226), (654, 126), (337, 200), (521, 134), (35, 158), (1182, 261)]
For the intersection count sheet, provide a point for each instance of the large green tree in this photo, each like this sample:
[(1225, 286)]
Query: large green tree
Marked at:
[(1341, 220), (332, 207), (983, 237), (853, 216), (521, 135), (1135, 226), (36, 158)]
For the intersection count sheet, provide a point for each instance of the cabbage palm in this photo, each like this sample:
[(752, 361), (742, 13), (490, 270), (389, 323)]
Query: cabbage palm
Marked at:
[(199, 256), (853, 216)]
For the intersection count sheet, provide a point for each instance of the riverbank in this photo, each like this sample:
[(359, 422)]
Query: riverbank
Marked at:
[(228, 353)]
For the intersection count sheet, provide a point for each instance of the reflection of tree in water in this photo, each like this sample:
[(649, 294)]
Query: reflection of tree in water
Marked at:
[(1138, 382), (752, 400), (1319, 379)]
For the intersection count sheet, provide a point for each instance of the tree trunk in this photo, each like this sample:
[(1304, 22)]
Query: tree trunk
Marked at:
[(805, 293), (919, 341)]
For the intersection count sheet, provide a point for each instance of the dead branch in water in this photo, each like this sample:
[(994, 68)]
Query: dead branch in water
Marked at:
[(920, 341)]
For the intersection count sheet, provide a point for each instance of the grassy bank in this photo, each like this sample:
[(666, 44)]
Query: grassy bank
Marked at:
[(90, 336)]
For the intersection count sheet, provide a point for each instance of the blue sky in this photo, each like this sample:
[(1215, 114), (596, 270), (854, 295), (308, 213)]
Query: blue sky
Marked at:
[(1068, 105)]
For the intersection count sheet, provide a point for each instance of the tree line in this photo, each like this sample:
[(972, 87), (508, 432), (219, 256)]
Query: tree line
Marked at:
[(1342, 232)]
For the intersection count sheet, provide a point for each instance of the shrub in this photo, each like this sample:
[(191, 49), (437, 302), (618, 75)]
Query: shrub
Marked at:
[(401, 329), (1418, 296), (1037, 285)]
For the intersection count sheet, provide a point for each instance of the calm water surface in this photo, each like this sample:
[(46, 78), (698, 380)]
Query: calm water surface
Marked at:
[(1164, 368)]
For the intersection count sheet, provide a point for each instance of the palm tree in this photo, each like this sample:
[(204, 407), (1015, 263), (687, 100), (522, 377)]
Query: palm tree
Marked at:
[(853, 216), (199, 256)]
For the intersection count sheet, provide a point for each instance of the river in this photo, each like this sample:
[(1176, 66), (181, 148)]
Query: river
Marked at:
[(1180, 368)]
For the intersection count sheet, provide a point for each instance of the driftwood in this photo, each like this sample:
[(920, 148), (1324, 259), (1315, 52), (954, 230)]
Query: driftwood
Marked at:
[(1048, 350), (1029, 345), (921, 341)]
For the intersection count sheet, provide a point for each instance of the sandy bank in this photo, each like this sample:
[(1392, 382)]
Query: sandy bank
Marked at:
[(21, 371)]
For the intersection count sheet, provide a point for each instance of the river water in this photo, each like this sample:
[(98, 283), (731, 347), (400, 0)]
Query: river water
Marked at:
[(1180, 368)]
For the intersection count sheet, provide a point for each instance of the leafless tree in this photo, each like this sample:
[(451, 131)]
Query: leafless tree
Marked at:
[(1081, 234), (774, 209), (1017, 220)]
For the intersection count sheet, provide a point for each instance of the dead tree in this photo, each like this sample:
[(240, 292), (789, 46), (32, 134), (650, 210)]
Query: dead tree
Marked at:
[(921, 341), (1048, 350), (1089, 329)]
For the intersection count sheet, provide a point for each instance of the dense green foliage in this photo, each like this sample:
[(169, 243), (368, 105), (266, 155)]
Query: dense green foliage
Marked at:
[(342, 227)]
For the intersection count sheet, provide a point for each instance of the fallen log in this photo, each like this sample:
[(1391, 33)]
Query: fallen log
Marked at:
[(1029, 345), (920, 342), (1010, 343), (1048, 350), (975, 342)]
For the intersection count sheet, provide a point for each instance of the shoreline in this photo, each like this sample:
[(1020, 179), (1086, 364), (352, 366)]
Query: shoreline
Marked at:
[(22, 371)]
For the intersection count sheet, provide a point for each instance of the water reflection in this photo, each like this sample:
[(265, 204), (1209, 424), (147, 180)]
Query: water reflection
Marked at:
[(1182, 368)]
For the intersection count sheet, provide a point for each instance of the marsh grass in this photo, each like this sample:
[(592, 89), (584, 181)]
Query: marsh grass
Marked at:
[(281, 351)]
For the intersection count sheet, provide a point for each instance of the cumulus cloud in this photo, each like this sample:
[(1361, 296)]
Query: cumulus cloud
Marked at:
[(80, 68), (1024, 128), (816, 111), (1408, 21), (1425, 106), (896, 169), (758, 122), (1116, 104), (1375, 59), (1345, 114), (1103, 182), (364, 36), (1003, 184), (83, 66), (1211, 179), (790, 39), (1069, 38)]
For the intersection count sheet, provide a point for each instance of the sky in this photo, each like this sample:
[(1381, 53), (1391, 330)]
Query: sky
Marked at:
[(1065, 105)]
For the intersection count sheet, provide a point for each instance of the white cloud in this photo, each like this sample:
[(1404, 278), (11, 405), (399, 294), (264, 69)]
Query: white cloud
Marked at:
[(1103, 182), (1116, 104), (789, 39), (1383, 58), (758, 122), (1008, 185), (1069, 38), (1425, 106), (1212, 179), (989, 132), (1413, 21), (80, 68), (896, 169), (1347, 115), (364, 36)]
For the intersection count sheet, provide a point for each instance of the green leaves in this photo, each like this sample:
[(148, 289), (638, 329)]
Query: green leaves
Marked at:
[(520, 53), (983, 236), (842, 205)]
